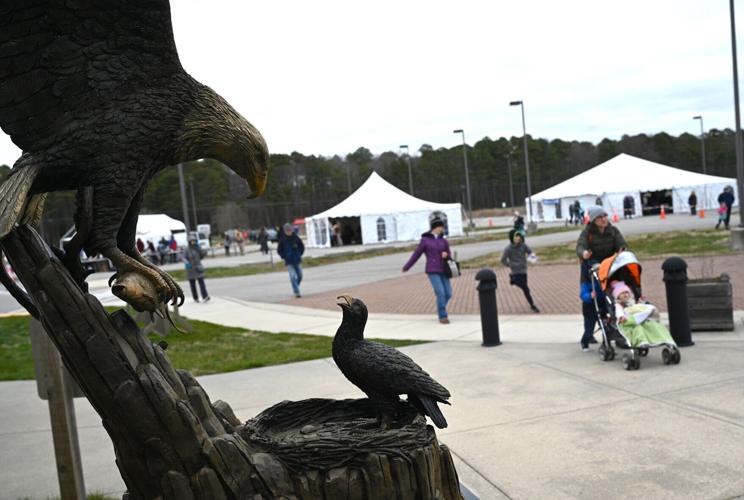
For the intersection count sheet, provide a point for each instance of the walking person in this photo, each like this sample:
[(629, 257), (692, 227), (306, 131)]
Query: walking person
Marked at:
[(227, 241), (192, 258), (240, 240), (436, 248), (692, 201), (515, 258), (726, 198), (290, 249), (263, 240), (588, 310)]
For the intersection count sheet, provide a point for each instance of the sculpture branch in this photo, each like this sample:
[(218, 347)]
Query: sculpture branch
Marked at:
[(171, 442)]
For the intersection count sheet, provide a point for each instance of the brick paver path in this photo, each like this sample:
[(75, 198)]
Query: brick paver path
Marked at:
[(555, 289)]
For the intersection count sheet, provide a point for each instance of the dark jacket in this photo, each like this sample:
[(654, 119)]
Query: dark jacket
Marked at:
[(290, 249), (602, 245), (726, 197), (192, 256), (692, 200), (515, 257), (433, 248)]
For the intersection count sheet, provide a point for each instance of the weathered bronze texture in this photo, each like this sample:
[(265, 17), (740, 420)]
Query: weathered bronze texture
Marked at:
[(381, 371), (172, 442), (95, 96)]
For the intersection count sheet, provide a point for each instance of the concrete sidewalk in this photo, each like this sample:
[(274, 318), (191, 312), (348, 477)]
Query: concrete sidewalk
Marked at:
[(532, 418)]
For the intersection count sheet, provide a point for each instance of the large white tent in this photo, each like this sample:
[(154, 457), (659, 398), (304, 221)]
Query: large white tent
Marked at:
[(153, 227), (385, 214), (626, 175)]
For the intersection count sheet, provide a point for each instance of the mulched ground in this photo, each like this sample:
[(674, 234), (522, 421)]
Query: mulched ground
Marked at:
[(555, 289)]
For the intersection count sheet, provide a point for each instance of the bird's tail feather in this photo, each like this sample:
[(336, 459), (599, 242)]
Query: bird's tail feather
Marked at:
[(432, 409)]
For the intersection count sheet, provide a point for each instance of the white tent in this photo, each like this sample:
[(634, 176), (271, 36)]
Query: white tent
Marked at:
[(627, 175), (156, 226), (385, 214)]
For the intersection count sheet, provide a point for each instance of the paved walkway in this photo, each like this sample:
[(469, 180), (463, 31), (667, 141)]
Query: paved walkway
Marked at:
[(555, 289), (532, 418)]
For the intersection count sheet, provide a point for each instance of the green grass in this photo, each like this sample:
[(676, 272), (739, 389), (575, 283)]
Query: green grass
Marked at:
[(645, 246), (208, 348)]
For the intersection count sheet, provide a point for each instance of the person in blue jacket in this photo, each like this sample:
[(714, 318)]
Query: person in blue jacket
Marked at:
[(290, 249), (588, 295)]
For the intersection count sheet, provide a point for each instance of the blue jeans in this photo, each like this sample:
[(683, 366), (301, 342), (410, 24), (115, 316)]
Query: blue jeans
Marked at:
[(443, 290), (295, 276)]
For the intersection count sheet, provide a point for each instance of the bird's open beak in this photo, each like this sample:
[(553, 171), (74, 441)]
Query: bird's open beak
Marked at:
[(347, 298)]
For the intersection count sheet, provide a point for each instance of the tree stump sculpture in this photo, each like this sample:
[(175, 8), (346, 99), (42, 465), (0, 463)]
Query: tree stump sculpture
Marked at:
[(171, 442)]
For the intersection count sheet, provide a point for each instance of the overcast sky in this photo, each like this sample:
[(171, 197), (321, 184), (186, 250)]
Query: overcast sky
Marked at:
[(326, 77)]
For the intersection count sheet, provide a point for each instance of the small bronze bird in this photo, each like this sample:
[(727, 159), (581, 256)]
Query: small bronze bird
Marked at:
[(381, 371)]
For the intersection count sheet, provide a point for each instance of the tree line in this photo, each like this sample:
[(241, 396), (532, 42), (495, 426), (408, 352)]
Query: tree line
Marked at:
[(301, 185)]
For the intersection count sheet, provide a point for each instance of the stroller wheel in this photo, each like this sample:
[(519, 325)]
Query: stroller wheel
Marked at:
[(666, 356), (676, 357), (611, 353), (643, 351), (628, 362), (636, 363), (604, 353)]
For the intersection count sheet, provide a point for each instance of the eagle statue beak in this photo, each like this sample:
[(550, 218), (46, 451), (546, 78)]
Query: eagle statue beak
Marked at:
[(257, 184), (348, 298)]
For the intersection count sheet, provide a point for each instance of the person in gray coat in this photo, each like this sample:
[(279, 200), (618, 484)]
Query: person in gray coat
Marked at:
[(192, 258), (515, 258)]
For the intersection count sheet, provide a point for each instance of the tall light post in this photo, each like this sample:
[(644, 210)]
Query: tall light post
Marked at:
[(467, 175), (410, 174), (526, 163), (511, 184), (184, 203), (702, 140), (737, 237)]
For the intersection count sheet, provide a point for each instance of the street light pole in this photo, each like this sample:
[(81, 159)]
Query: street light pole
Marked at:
[(738, 142), (702, 141), (193, 202), (410, 174), (511, 184), (184, 204), (467, 175), (526, 161)]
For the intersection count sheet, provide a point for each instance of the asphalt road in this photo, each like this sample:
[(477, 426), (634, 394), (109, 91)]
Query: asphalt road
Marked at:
[(275, 287)]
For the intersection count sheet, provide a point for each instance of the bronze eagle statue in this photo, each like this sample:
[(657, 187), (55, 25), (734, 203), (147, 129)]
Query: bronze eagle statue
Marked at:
[(94, 94), (382, 372)]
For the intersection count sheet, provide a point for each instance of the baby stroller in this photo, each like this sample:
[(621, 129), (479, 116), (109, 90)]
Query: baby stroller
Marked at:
[(624, 266)]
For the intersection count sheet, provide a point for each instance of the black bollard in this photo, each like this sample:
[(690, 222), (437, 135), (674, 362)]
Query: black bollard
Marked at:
[(488, 310), (675, 278)]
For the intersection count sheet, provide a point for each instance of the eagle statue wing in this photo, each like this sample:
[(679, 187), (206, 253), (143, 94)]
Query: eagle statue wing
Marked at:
[(60, 58)]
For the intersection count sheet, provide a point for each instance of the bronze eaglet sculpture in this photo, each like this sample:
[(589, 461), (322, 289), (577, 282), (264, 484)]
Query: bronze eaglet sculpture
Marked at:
[(95, 96), (381, 371)]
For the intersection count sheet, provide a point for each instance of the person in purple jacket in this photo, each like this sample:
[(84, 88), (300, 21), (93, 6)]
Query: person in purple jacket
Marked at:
[(436, 249)]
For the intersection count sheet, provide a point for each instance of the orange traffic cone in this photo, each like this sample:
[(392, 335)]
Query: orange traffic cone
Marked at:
[(701, 213), (662, 215), (615, 217)]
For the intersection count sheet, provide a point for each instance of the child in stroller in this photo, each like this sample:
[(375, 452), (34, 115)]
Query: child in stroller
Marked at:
[(632, 323)]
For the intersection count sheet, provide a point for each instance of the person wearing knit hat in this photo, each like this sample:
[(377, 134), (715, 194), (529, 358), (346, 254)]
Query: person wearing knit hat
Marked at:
[(515, 258), (599, 239), (618, 288), (434, 245), (596, 211)]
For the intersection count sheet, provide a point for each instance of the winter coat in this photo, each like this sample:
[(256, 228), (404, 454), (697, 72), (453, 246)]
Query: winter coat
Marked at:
[(192, 256), (433, 248), (290, 249), (602, 245), (726, 197), (515, 257), (692, 200)]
